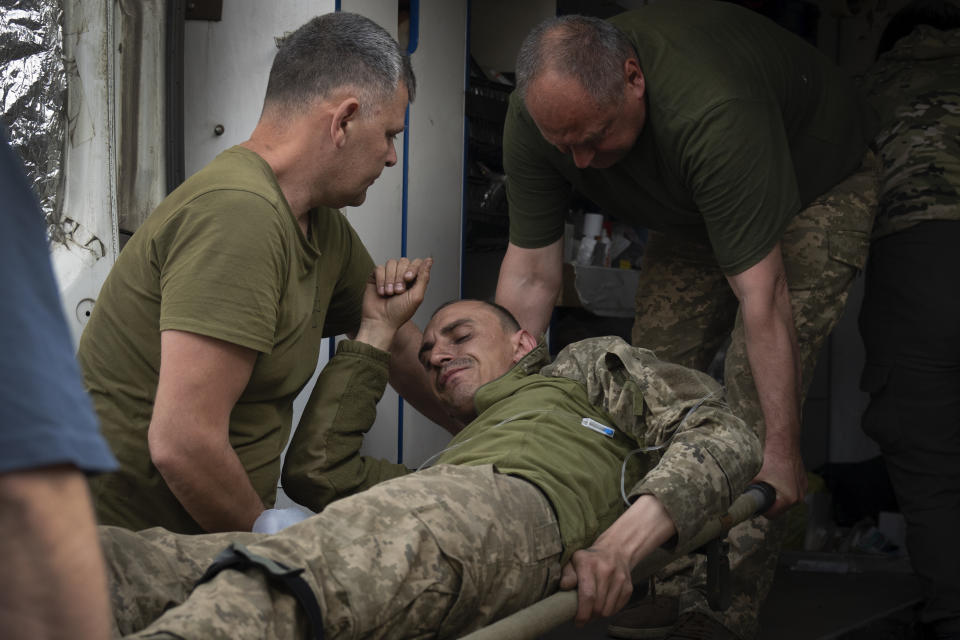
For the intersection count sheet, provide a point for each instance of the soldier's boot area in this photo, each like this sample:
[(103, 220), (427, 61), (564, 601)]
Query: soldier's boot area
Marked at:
[(655, 617), (699, 626), (650, 618)]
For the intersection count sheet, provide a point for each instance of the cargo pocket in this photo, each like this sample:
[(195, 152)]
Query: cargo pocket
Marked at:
[(503, 567), (824, 261), (827, 243), (849, 247)]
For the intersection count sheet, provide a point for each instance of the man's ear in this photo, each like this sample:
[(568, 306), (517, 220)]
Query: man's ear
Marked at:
[(633, 75), (344, 114), (523, 343)]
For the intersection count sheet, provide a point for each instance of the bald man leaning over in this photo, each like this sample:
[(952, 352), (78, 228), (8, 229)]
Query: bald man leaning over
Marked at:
[(744, 151)]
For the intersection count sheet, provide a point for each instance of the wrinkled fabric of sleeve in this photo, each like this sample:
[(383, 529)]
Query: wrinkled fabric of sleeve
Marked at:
[(323, 461), (709, 454)]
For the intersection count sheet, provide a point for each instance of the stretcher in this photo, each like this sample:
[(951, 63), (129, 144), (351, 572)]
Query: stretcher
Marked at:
[(541, 617)]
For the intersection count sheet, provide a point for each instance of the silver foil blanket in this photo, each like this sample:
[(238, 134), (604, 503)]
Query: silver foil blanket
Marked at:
[(32, 87)]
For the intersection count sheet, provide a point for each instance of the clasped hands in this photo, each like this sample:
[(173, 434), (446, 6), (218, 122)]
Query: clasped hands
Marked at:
[(393, 293)]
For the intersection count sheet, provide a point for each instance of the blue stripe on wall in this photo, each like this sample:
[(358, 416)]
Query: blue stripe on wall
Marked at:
[(414, 40)]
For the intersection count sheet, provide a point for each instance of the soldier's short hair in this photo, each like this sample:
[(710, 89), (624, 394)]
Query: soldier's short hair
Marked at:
[(507, 320), (334, 51), (590, 50)]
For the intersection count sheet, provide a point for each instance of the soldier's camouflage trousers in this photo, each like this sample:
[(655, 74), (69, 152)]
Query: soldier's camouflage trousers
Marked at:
[(685, 313), (451, 548)]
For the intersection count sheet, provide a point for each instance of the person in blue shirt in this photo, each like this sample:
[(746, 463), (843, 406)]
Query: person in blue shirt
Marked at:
[(55, 582)]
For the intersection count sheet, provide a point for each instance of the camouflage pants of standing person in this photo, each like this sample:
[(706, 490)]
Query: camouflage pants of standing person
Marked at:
[(433, 554), (686, 311)]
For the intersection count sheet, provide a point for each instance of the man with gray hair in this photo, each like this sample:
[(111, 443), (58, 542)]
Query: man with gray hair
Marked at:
[(211, 321), (744, 151)]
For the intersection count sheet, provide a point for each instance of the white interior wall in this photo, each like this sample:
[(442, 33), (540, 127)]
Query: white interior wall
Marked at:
[(140, 110), (82, 263), (497, 27), (435, 178), (226, 65)]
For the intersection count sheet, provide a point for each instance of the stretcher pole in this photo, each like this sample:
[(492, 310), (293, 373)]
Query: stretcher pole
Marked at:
[(541, 617)]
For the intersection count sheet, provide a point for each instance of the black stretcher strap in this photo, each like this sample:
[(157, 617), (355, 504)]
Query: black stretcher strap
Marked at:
[(237, 556)]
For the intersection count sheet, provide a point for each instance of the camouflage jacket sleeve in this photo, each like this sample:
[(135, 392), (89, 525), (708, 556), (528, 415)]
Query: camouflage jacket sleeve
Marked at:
[(916, 88), (708, 454), (323, 462)]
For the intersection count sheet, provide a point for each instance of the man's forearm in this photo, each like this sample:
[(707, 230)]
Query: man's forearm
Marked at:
[(209, 480), (772, 351), (323, 462), (602, 573), (55, 584), (201, 380), (530, 303), (641, 529), (529, 283)]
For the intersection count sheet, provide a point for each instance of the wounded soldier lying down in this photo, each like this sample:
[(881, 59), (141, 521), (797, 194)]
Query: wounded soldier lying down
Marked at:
[(525, 500)]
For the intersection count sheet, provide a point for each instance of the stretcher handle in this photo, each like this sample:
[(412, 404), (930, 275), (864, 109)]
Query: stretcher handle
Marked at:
[(755, 500), (763, 494), (542, 616)]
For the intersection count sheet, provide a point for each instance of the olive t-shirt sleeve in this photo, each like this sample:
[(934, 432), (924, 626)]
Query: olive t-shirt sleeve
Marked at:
[(346, 304), (537, 194), (740, 172), (219, 282)]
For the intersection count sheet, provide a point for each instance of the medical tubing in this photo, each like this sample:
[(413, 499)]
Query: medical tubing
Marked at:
[(626, 458), (623, 467)]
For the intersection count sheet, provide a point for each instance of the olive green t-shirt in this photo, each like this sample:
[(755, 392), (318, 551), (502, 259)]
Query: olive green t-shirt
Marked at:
[(222, 256), (745, 123)]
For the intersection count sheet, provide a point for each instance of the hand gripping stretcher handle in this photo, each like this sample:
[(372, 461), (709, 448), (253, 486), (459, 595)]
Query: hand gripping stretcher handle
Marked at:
[(541, 617)]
